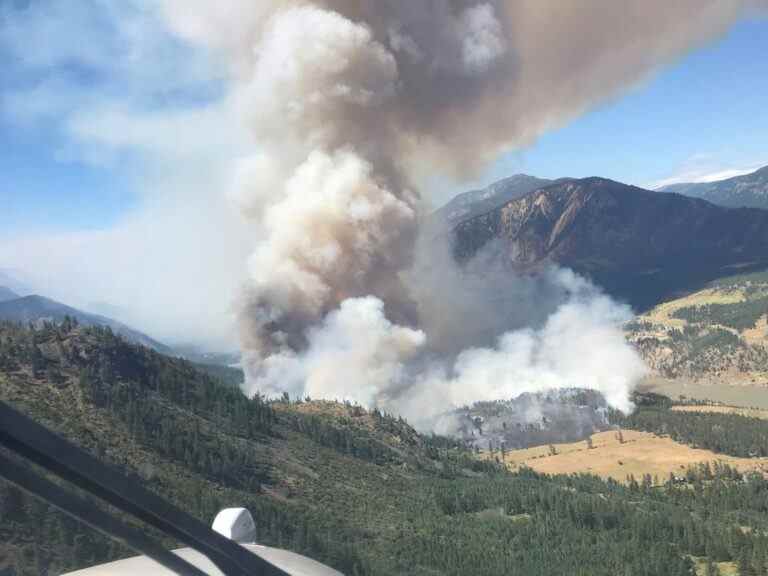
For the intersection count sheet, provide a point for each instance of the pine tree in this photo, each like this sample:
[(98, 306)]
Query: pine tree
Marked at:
[(758, 560), (744, 565)]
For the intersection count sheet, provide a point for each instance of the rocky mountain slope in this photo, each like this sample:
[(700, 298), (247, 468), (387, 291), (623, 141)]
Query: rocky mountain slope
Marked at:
[(476, 202), (641, 246), (719, 333), (748, 191)]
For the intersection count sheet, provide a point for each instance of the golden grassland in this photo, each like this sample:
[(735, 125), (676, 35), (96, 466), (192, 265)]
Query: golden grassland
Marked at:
[(662, 314), (757, 335), (725, 568), (640, 453)]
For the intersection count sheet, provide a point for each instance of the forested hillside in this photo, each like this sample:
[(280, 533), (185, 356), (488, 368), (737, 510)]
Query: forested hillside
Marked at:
[(359, 490)]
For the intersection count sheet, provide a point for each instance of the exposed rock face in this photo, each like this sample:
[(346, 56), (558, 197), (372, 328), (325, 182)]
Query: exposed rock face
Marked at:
[(639, 245), (748, 191), (477, 202)]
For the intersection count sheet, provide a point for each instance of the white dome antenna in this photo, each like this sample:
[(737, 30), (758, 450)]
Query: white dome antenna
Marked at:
[(236, 524)]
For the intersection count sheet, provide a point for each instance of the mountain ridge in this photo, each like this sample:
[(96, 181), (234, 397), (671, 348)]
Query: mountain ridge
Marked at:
[(745, 191), (35, 309), (474, 202), (639, 245)]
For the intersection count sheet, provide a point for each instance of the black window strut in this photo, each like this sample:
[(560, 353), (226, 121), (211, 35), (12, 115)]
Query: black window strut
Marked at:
[(35, 443)]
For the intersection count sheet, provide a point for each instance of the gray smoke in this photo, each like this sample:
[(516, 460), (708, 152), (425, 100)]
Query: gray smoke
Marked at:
[(350, 102), (567, 415)]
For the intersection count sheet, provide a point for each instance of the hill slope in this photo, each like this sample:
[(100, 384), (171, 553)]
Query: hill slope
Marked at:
[(36, 309), (748, 191), (317, 476), (639, 245), (720, 332), (358, 490)]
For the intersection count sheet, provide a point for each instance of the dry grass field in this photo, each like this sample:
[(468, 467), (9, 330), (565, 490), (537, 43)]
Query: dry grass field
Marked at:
[(640, 453), (724, 568), (662, 314)]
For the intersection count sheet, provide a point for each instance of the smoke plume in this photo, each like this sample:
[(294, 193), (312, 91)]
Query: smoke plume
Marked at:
[(352, 101)]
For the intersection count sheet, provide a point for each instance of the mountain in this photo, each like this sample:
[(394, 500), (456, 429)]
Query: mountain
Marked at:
[(37, 309), (476, 202), (748, 191), (7, 294), (356, 489), (639, 245)]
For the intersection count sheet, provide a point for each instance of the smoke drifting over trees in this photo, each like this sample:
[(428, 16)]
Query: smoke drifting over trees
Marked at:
[(349, 102)]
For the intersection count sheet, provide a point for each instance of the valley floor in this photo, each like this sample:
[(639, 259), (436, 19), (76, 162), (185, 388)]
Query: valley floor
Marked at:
[(722, 391)]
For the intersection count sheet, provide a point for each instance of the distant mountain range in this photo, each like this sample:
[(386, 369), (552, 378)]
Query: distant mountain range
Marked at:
[(35, 309), (748, 191), (640, 245)]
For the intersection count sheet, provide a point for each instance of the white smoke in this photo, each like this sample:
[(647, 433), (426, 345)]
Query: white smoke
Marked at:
[(580, 344), (349, 101), (355, 354)]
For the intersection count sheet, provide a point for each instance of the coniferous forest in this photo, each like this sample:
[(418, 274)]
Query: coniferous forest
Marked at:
[(360, 490)]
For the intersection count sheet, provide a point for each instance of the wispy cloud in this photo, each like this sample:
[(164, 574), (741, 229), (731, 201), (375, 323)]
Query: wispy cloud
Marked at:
[(120, 91), (701, 168)]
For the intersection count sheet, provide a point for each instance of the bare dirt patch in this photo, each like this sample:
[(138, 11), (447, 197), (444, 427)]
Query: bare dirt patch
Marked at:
[(757, 335)]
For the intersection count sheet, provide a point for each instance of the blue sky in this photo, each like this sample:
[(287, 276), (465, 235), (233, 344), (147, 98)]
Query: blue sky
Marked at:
[(63, 61), (117, 142), (702, 116)]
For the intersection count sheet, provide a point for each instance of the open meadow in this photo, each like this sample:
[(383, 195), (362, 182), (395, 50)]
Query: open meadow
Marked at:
[(640, 453)]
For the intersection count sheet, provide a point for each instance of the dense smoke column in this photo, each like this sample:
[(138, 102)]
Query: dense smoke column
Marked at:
[(331, 189), (338, 218), (350, 100)]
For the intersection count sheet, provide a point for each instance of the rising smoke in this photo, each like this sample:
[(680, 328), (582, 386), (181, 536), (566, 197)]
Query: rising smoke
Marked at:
[(352, 101)]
